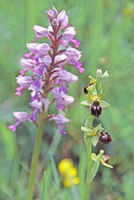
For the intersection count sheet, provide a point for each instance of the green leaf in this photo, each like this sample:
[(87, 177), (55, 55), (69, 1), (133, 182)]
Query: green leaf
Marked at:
[(89, 121), (86, 103), (46, 183), (56, 186), (95, 168), (104, 104), (43, 187), (95, 140)]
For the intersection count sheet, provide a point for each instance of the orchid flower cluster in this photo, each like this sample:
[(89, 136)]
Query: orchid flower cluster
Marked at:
[(95, 94), (44, 70)]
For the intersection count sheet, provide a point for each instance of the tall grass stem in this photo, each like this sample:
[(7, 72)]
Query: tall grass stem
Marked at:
[(35, 157)]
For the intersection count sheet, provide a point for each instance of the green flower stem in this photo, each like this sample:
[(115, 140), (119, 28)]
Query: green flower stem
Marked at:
[(89, 152), (35, 156), (89, 167), (88, 142), (91, 176)]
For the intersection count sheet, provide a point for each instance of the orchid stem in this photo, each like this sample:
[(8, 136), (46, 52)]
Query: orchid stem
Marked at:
[(88, 142), (89, 167), (89, 151), (35, 157)]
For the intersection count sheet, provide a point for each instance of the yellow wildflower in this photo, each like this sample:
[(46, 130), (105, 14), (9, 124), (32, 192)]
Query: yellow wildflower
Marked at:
[(69, 172)]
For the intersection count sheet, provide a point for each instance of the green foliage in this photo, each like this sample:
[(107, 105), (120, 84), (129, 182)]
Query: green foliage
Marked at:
[(105, 29)]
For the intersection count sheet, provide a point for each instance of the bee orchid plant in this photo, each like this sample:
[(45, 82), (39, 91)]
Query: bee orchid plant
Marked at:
[(93, 135)]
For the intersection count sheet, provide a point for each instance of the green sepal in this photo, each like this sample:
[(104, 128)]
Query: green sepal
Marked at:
[(104, 104), (98, 128), (95, 157), (86, 103), (95, 140), (85, 129), (107, 165), (92, 132)]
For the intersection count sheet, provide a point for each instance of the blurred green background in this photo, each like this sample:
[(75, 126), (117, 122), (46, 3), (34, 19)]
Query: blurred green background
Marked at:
[(106, 31)]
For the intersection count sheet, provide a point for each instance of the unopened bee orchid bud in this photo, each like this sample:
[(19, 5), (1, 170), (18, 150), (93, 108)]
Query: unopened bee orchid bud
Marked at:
[(105, 76), (99, 73)]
